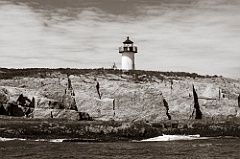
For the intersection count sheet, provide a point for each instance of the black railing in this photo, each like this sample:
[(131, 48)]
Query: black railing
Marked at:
[(128, 49)]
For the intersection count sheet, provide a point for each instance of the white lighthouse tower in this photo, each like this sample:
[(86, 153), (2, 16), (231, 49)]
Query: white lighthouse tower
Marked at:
[(128, 51)]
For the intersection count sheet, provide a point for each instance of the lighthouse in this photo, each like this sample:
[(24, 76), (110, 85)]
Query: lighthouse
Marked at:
[(128, 50)]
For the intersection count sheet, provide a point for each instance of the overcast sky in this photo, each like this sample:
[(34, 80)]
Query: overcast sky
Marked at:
[(201, 36)]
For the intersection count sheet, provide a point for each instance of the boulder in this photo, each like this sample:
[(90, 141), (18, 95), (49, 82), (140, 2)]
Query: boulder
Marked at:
[(23, 101), (3, 110), (14, 110), (4, 96)]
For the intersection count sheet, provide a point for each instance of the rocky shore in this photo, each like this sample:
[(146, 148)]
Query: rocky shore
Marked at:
[(108, 104), (112, 130)]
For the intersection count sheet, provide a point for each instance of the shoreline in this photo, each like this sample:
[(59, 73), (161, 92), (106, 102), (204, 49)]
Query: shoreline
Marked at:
[(108, 131), (163, 138)]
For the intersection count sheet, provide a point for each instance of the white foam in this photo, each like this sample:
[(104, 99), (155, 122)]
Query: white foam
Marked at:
[(10, 139), (56, 140), (49, 140), (41, 140), (175, 138), (37, 140)]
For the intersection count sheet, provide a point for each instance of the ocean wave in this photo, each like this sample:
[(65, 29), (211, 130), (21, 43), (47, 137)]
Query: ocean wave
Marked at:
[(10, 139), (37, 140), (174, 138), (156, 139), (50, 140), (56, 140)]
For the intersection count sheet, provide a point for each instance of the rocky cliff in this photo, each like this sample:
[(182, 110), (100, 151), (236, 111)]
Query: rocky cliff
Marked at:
[(132, 96)]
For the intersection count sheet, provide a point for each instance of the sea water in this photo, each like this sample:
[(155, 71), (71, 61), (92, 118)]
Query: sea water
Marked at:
[(226, 147)]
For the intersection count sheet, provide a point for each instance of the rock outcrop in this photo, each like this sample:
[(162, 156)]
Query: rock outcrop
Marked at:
[(4, 96), (129, 96)]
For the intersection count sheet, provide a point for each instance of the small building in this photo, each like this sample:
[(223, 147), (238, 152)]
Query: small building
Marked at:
[(128, 50)]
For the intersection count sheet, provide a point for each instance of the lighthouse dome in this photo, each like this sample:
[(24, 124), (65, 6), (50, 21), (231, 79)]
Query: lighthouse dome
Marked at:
[(128, 41)]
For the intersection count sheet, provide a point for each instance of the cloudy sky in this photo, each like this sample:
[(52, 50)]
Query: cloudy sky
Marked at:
[(199, 36)]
